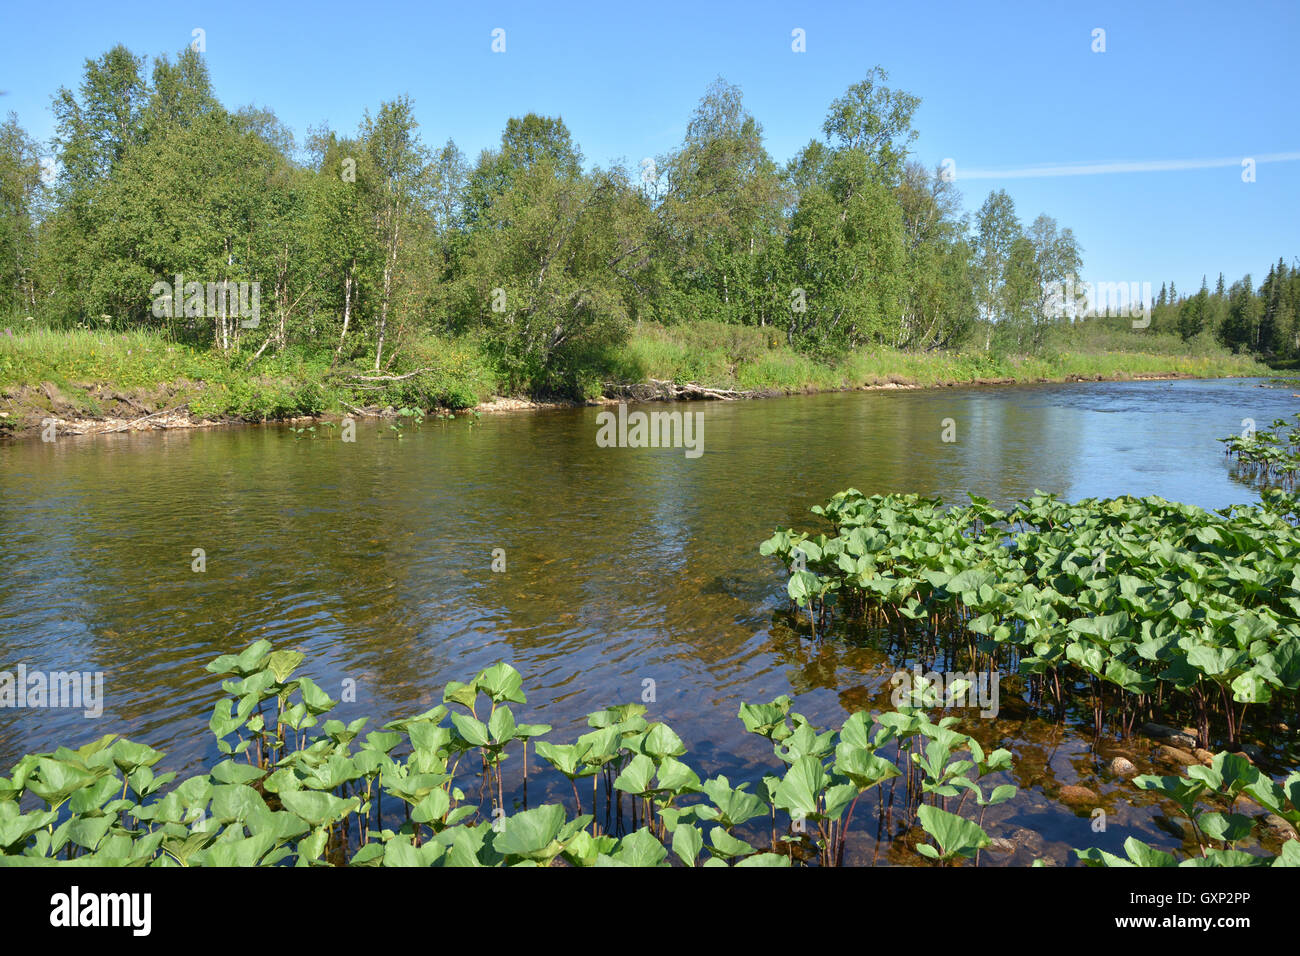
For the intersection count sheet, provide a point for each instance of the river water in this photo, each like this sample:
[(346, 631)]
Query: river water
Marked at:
[(623, 566)]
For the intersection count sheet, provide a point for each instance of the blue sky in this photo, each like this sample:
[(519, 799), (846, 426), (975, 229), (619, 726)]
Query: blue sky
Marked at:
[(1004, 87)]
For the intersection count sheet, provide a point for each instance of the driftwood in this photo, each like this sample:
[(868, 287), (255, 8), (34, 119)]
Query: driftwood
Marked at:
[(165, 411), (657, 390), (388, 378)]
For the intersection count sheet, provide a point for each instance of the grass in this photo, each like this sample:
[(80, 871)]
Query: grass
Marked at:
[(721, 356), (70, 373), (103, 373)]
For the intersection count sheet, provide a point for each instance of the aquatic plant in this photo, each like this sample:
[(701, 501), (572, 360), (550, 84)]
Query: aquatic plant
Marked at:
[(1218, 832), (1144, 605), (1270, 459), (296, 787)]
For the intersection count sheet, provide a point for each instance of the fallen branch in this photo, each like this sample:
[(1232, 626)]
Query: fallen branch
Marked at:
[(389, 378), (165, 411), (654, 389), (258, 354)]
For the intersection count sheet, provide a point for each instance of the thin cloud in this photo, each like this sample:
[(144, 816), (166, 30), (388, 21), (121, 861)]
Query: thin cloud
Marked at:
[(1122, 166)]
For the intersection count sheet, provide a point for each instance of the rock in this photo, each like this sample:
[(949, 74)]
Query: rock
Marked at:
[(1251, 751), (1243, 755), (1001, 845), (1204, 756), (1123, 767), (1029, 840), (1279, 826), (1075, 795), (1181, 757), (1161, 732)]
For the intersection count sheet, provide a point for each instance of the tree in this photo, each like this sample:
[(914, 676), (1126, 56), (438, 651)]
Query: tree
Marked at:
[(1193, 312), (550, 276), (997, 229), (721, 213), (93, 132), (1241, 328), (525, 143), (938, 303), (404, 186), (1057, 261), (342, 243), (876, 120), (180, 94), (847, 251), (1021, 296), (20, 196)]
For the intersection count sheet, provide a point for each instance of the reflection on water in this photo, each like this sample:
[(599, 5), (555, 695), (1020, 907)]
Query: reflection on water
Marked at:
[(374, 558)]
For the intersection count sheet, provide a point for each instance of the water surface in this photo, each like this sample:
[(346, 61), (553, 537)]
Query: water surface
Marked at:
[(623, 565)]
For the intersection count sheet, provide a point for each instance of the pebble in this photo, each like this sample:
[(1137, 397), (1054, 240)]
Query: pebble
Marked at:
[(1123, 767), (1073, 794)]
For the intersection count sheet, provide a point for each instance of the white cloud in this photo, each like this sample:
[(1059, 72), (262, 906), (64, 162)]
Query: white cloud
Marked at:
[(1117, 166)]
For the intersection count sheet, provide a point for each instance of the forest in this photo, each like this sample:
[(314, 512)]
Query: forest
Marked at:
[(381, 251)]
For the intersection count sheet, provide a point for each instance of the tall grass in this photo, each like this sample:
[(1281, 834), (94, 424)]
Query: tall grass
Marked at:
[(721, 356), (454, 373), (457, 372)]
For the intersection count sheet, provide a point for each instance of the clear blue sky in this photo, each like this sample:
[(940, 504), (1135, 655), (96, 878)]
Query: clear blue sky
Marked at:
[(1003, 87)]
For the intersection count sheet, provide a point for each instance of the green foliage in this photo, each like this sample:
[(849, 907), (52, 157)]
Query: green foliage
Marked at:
[(296, 786), (1218, 832), (1268, 458), (377, 245), (1149, 598)]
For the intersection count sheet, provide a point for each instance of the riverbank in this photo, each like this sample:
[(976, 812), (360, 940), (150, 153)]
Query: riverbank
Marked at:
[(101, 382)]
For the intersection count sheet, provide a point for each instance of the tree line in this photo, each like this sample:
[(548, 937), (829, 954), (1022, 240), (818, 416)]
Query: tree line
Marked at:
[(362, 242)]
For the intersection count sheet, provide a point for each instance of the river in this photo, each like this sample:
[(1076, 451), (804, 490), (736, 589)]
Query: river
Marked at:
[(623, 566)]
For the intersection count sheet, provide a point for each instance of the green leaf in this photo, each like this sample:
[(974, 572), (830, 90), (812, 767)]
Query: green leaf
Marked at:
[(530, 833), (284, 663), (502, 724), (228, 771), (472, 730), (955, 835), (635, 778), (316, 807), (501, 682), (725, 845), (687, 843), (640, 849), (802, 785)]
